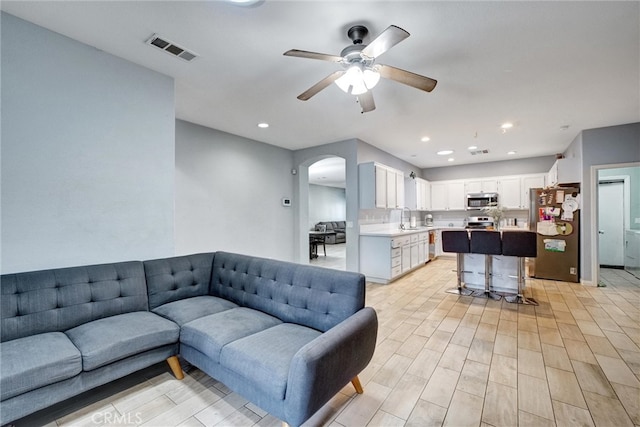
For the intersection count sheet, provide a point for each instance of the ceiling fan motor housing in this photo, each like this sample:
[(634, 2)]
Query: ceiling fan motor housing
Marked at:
[(357, 33)]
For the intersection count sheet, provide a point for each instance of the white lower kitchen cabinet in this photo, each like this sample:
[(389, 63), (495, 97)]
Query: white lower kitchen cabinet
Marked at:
[(385, 258)]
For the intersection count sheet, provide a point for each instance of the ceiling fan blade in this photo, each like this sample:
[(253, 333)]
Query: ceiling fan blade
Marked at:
[(366, 101), (313, 55), (385, 41), (406, 77), (304, 96)]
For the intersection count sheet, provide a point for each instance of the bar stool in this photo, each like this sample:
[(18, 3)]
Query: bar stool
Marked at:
[(520, 244), (457, 241), (489, 244)]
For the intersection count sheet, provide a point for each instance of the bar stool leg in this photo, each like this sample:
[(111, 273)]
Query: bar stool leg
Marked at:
[(488, 272), (459, 290), (520, 298)]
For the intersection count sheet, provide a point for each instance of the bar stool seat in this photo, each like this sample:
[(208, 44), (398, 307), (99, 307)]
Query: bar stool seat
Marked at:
[(457, 241), (520, 244), (489, 244)]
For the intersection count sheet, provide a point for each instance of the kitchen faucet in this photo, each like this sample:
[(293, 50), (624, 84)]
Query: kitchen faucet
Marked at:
[(402, 226)]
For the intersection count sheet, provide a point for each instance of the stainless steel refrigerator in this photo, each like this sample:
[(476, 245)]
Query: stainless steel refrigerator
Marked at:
[(555, 217)]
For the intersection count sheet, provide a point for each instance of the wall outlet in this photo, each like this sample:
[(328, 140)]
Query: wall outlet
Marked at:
[(572, 270), (349, 224), (636, 220)]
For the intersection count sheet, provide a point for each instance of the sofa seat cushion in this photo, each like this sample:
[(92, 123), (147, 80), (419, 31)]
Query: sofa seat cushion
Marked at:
[(211, 333), (113, 338), (36, 361), (264, 358), (188, 309)]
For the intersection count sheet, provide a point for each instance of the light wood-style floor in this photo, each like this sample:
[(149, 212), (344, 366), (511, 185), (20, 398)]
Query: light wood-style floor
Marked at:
[(447, 360)]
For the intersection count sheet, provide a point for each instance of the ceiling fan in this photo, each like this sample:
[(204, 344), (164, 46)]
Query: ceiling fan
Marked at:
[(361, 73)]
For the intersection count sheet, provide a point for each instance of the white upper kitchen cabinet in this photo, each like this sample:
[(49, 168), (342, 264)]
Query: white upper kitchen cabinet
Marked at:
[(510, 193), (398, 189), (513, 191), (380, 186), (448, 195), (564, 171), (417, 194), (482, 185), (529, 182)]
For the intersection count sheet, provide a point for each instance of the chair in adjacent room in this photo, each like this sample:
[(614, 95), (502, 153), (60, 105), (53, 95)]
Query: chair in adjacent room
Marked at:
[(520, 244), (457, 241), (316, 240), (487, 243)]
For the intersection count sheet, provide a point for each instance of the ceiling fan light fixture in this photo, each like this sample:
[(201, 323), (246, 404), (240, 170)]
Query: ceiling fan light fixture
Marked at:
[(356, 81)]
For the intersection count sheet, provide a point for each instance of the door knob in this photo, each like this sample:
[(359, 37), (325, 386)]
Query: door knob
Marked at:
[(600, 232)]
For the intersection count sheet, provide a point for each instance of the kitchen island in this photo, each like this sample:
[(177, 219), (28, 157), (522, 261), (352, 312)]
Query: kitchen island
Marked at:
[(388, 253)]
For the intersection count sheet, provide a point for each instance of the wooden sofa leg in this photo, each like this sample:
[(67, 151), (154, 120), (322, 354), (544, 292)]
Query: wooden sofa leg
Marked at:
[(356, 384), (174, 364)]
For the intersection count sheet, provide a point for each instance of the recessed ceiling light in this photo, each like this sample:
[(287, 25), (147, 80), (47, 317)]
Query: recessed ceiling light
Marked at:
[(263, 125), (425, 139), (507, 125), (511, 152), (450, 159), (472, 147), (444, 152), (243, 2)]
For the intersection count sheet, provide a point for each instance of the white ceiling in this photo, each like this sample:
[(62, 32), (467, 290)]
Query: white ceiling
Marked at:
[(539, 65)]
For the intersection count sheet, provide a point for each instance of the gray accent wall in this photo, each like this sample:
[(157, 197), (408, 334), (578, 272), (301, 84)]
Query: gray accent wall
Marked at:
[(481, 170), (229, 192), (87, 154), (603, 146), (369, 153)]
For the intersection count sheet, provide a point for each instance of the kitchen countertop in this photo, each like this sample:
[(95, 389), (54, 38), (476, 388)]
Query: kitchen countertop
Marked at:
[(393, 230)]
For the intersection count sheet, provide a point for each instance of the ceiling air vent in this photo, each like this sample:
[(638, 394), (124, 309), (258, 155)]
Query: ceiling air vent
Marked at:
[(478, 152), (171, 48)]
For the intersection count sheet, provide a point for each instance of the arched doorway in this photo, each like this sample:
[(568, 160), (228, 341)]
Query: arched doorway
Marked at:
[(328, 207)]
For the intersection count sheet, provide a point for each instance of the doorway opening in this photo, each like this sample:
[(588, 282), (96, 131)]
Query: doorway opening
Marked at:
[(616, 210), (328, 213)]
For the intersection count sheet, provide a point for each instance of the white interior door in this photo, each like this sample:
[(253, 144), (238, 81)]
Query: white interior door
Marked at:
[(611, 223)]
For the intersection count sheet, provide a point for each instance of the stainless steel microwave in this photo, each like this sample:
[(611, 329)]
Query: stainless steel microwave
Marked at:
[(476, 201)]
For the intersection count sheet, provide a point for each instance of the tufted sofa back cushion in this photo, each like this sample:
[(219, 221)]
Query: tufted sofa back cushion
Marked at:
[(172, 279), (312, 296), (60, 299)]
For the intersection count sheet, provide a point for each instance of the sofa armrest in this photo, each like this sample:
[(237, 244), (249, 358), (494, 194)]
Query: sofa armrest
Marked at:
[(322, 367)]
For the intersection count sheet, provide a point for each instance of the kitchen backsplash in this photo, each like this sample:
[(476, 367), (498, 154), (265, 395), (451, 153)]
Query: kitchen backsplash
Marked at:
[(440, 218)]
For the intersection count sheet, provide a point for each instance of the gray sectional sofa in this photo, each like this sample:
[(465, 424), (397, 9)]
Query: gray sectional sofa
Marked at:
[(285, 336), (339, 227)]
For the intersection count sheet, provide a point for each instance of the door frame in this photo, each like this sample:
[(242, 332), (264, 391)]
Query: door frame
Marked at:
[(594, 182)]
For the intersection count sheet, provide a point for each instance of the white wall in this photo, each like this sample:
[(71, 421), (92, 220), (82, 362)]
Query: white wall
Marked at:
[(87, 154), (326, 204), (229, 192)]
